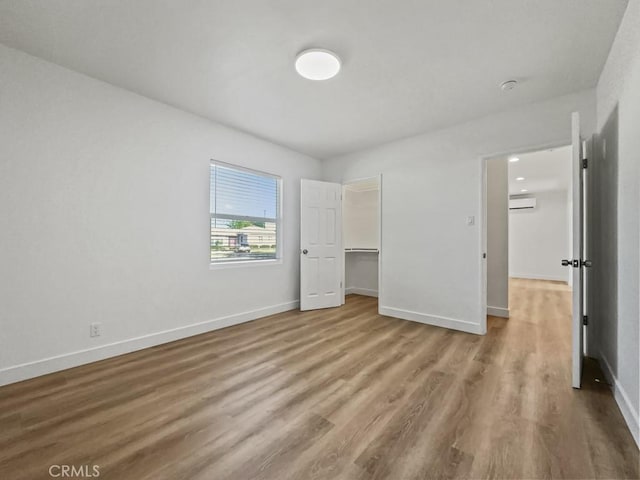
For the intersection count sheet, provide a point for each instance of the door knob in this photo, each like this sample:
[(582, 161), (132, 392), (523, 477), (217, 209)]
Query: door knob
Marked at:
[(305, 251), (586, 263)]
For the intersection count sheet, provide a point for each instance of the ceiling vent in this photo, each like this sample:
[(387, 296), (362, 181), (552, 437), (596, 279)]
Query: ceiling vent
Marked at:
[(522, 203)]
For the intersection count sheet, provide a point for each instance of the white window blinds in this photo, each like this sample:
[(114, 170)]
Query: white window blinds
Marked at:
[(245, 214)]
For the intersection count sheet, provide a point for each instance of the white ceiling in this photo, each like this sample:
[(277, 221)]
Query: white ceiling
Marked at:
[(543, 171), (409, 65)]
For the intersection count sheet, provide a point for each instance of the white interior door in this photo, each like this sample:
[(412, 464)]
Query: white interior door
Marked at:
[(321, 253), (577, 263)]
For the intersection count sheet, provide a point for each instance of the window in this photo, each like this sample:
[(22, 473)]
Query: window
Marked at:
[(245, 214)]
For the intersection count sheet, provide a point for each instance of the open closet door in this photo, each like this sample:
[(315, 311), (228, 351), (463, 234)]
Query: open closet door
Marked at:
[(578, 263), (321, 253)]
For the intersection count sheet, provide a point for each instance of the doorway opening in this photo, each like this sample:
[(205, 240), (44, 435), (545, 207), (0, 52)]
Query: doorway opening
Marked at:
[(535, 247), (529, 206), (540, 234), (340, 241), (579, 262), (361, 236)]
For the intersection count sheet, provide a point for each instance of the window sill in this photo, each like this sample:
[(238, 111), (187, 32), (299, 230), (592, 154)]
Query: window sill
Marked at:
[(245, 263)]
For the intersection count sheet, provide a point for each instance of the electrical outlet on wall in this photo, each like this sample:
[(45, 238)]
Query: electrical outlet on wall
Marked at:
[(95, 329)]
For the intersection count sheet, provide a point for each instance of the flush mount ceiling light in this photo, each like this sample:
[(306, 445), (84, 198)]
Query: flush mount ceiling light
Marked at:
[(514, 159), (524, 190), (519, 179), (317, 64), (508, 85)]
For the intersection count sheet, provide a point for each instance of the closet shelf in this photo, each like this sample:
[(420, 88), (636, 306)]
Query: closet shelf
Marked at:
[(369, 250)]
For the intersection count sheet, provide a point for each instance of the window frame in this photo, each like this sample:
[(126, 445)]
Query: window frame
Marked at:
[(214, 265)]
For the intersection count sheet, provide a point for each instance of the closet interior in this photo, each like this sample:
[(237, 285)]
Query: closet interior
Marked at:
[(361, 236)]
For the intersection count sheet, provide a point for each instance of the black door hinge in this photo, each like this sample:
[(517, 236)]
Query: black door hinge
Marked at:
[(585, 319), (585, 163)]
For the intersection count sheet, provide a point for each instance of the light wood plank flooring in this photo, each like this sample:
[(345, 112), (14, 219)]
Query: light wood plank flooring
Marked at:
[(335, 394)]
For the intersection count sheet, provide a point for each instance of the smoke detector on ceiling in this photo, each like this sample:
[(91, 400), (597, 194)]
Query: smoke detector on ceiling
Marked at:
[(508, 85)]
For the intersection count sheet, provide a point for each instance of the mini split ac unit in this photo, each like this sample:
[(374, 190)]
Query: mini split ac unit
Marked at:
[(522, 203)]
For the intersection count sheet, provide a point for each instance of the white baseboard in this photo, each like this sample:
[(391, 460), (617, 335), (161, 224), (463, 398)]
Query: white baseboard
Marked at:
[(622, 399), (498, 311), (44, 366), (438, 321), (361, 291), (527, 276)]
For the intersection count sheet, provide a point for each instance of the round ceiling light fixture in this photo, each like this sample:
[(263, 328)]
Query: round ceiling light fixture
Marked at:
[(508, 85), (317, 64)]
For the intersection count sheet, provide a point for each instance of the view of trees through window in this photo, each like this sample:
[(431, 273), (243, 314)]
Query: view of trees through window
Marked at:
[(244, 206)]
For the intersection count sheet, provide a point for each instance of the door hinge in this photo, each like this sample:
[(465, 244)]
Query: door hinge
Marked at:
[(585, 319), (585, 163)]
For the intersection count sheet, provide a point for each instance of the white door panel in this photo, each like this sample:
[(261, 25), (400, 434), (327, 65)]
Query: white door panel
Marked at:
[(320, 245)]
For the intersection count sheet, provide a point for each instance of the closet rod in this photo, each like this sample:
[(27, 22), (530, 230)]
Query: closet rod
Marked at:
[(370, 250)]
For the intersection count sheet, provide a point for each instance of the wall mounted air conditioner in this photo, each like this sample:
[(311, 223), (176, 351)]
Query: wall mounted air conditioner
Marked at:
[(522, 203)]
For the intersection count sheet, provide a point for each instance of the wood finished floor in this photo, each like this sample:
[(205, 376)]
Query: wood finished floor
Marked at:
[(334, 394)]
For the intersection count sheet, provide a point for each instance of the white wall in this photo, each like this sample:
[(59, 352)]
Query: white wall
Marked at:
[(498, 237), (615, 322), (539, 240), (361, 218), (361, 273), (431, 261), (104, 214)]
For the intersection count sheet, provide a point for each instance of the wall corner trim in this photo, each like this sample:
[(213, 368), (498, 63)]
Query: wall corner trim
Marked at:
[(629, 413), (498, 311), (435, 320), (25, 371)]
